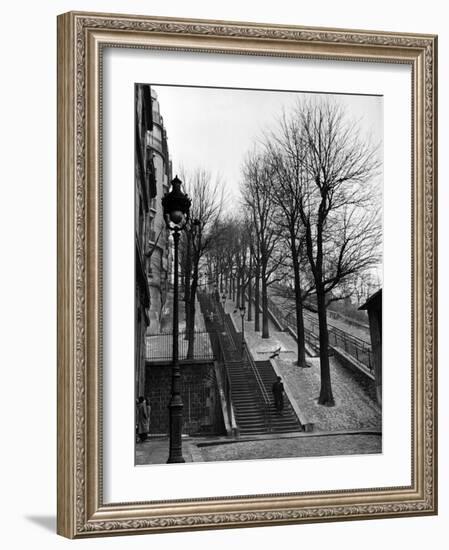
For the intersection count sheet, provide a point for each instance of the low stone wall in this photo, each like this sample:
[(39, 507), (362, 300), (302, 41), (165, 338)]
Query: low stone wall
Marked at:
[(199, 391)]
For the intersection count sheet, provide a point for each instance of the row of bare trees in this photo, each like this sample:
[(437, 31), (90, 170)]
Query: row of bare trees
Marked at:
[(309, 218), (206, 208)]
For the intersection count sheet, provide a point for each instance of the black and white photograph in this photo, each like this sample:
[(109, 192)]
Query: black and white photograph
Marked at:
[(258, 274), (221, 258)]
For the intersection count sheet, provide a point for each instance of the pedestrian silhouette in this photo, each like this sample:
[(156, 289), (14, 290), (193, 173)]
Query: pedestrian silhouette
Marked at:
[(278, 394), (142, 419)]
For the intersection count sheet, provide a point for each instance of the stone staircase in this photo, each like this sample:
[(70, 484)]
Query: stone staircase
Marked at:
[(253, 415), (288, 421), (249, 411)]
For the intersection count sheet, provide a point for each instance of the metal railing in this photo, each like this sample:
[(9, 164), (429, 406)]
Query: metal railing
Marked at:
[(356, 347), (234, 336), (289, 321), (219, 307), (224, 374), (237, 343), (159, 347), (209, 307), (258, 386)]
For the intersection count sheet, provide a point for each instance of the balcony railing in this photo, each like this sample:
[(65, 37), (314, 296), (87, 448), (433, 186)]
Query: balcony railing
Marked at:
[(159, 347)]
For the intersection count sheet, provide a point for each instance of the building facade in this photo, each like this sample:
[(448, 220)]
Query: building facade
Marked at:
[(159, 254), (152, 251)]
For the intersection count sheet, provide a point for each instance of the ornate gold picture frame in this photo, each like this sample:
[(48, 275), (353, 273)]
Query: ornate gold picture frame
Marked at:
[(82, 40)]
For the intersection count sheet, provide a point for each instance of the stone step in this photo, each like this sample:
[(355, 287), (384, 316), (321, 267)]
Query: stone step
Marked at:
[(254, 426), (254, 431), (249, 416), (245, 396)]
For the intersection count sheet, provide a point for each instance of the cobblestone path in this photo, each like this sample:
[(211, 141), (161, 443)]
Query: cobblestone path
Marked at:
[(324, 445), (354, 406)]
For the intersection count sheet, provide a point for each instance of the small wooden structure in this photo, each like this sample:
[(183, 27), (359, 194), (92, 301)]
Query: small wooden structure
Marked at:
[(374, 307)]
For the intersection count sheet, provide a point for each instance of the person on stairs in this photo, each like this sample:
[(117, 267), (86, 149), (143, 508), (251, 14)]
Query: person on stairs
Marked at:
[(278, 394)]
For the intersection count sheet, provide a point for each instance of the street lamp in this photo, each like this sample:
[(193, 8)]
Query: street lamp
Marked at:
[(242, 315), (176, 205)]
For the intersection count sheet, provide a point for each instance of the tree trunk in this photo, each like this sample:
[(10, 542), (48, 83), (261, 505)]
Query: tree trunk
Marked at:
[(249, 318), (326, 398), (237, 302), (299, 311), (265, 329), (187, 281), (191, 319), (257, 301)]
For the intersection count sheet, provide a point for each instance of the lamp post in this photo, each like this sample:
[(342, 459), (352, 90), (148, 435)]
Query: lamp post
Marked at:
[(176, 206), (242, 315)]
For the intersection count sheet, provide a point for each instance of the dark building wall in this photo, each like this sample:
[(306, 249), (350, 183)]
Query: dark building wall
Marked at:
[(159, 259), (374, 307), (143, 194), (202, 410), (375, 325), (152, 247)]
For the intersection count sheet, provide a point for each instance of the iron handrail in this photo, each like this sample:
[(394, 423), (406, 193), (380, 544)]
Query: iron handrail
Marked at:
[(222, 365), (358, 348), (259, 384), (338, 330), (208, 307)]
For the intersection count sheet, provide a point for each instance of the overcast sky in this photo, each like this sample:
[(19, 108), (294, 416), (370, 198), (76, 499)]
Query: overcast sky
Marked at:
[(213, 128)]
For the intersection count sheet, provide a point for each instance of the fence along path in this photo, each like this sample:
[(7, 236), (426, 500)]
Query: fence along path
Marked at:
[(356, 347)]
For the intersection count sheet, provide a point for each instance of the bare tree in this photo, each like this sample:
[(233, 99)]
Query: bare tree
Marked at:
[(363, 285), (205, 211), (334, 167), (221, 254), (283, 155), (256, 197)]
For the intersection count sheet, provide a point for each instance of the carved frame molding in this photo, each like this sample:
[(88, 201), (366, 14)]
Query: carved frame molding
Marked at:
[(81, 38)]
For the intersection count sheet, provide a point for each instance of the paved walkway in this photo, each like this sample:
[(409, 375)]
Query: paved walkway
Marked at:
[(301, 446), (155, 450), (167, 314), (354, 406), (288, 304), (353, 426)]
